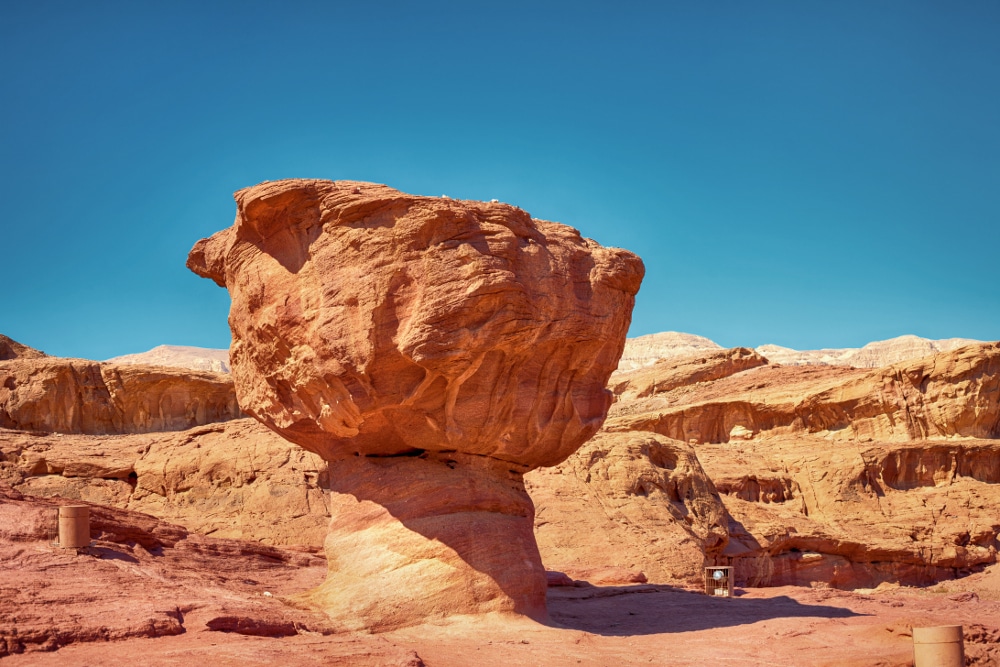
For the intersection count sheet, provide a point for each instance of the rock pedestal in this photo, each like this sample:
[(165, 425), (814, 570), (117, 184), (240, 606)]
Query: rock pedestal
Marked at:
[(430, 535), (433, 350)]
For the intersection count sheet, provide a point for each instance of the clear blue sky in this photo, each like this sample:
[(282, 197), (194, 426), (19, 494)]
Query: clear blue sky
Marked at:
[(802, 173)]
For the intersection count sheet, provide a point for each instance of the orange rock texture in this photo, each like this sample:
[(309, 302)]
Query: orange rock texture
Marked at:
[(225, 480), (51, 394), (842, 477), (432, 350)]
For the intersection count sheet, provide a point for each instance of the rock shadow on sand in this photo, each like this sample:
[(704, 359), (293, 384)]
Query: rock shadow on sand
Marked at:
[(624, 611)]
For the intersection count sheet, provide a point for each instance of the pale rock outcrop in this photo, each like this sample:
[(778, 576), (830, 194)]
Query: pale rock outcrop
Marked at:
[(179, 356), (433, 350), (646, 350), (51, 394), (224, 480), (873, 355)]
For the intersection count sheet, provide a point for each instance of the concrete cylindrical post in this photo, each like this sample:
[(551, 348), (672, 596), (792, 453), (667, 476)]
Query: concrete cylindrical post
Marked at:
[(74, 526), (939, 646)]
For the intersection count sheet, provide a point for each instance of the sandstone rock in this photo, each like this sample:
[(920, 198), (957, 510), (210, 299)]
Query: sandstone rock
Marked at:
[(909, 448), (631, 502), (225, 480), (740, 432), (803, 509), (682, 370), (873, 355), (11, 349), (142, 578), (949, 394), (179, 356), (433, 350), (77, 396)]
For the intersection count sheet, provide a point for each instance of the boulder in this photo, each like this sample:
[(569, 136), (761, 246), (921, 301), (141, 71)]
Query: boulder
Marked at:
[(433, 351)]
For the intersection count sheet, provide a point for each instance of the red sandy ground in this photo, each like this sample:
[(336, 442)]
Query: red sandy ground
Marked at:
[(637, 625), (149, 593)]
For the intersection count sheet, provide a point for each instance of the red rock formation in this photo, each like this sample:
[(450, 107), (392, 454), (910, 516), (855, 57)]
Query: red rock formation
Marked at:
[(224, 480), (826, 454), (949, 394), (11, 349), (77, 396), (631, 501), (434, 350)]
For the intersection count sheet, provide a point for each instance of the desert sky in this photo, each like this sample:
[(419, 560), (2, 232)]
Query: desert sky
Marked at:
[(804, 174)]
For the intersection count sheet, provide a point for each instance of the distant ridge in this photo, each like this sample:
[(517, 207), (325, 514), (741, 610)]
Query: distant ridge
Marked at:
[(639, 352), (647, 350), (180, 356)]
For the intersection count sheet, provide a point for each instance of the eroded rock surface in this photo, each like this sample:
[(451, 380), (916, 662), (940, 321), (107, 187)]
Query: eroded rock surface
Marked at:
[(838, 476), (51, 394), (437, 347), (11, 349), (224, 480)]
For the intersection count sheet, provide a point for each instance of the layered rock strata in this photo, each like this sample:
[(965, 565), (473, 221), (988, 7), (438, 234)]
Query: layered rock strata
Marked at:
[(433, 351), (823, 455), (51, 394), (225, 480)]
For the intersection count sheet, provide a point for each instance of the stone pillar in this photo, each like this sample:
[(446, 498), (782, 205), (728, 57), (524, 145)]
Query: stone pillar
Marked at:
[(74, 526), (427, 536), (939, 646)]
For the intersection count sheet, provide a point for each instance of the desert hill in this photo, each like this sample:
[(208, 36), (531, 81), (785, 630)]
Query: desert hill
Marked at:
[(640, 352), (179, 356), (646, 350)]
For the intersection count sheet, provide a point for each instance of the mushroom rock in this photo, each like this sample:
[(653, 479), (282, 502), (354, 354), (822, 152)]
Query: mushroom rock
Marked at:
[(433, 351)]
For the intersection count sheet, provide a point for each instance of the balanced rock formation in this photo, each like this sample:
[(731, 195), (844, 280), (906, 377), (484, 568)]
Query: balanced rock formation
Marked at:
[(433, 350), (51, 394)]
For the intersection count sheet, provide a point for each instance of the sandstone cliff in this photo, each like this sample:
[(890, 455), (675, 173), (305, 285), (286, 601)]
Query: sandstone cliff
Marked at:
[(826, 453), (225, 480), (51, 394)]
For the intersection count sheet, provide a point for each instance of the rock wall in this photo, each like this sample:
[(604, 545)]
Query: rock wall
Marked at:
[(78, 396)]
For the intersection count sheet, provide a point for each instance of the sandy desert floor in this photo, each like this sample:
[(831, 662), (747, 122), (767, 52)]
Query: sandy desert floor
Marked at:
[(633, 625)]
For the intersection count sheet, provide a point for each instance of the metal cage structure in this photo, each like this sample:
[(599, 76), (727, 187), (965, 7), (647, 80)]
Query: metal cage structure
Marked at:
[(719, 581)]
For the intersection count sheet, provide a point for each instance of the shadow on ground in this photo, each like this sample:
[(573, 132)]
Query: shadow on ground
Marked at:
[(645, 610)]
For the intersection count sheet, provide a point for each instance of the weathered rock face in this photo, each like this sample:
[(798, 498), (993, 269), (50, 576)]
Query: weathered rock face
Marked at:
[(631, 501), (458, 344), (225, 480), (949, 394), (50, 394), (806, 460), (11, 349)]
